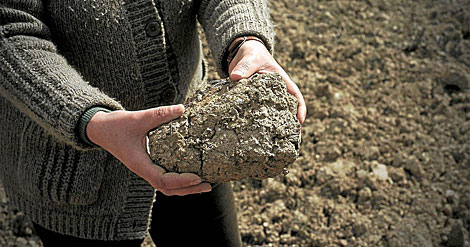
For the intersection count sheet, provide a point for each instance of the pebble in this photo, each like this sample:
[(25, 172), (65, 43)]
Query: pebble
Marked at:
[(456, 78), (451, 196), (447, 210), (21, 241), (364, 194), (397, 174), (380, 171), (414, 167), (343, 242)]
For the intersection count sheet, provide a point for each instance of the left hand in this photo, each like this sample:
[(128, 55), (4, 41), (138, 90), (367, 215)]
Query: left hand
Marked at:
[(253, 57), (124, 135)]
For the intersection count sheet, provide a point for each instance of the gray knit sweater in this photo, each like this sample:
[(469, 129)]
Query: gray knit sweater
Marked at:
[(59, 58)]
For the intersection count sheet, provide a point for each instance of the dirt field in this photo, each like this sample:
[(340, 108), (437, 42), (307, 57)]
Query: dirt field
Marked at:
[(385, 157)]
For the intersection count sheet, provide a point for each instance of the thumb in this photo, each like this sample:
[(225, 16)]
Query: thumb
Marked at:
[(242, 70), (151, 118)]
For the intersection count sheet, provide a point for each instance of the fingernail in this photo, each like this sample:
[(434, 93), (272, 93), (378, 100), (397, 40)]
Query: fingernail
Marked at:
[(206, 188), (196, 181), (238, 72)]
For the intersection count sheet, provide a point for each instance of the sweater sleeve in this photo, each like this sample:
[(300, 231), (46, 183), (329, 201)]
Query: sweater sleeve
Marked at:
[(225, 20), (36, 79)]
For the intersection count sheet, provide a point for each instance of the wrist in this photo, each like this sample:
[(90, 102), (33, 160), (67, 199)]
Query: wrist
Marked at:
[(236, 45), (88, 121), (94, 130)]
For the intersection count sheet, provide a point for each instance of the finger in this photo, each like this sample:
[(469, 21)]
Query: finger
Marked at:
[(137, 160), (293, 89), (179, 180), (244, 69), (196, 189), (234, 62), (156, 176), (152, 118), (301, 109)]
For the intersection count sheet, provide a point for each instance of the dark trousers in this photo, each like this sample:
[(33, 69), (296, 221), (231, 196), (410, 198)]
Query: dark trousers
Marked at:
[(207, 219)]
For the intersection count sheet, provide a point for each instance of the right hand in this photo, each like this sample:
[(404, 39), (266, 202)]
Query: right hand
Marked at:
[(124, 135)]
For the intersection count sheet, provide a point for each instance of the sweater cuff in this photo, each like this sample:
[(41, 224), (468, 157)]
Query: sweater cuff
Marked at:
[(224, 21), (264, 32), (83, 122)]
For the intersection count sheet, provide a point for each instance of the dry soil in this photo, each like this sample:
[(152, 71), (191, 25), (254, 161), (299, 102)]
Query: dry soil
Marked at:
[(385, 156)]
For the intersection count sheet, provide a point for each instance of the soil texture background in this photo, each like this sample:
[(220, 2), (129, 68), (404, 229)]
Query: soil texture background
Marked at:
[(385, 154)]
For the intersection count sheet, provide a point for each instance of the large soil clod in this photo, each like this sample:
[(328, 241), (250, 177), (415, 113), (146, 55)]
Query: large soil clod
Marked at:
[(232, 130)]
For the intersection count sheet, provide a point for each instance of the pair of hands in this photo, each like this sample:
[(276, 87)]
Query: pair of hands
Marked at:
[(124, 133)]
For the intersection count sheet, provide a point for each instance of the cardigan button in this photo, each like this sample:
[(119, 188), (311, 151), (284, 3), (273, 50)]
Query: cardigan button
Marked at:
[(168, 95), (153, 29)]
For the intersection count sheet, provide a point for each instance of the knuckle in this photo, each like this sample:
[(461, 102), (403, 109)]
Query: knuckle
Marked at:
[(162, 186), (159, 112), (159, 185), (245, 65)]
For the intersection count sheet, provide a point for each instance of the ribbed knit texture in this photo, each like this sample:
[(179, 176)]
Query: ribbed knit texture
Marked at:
[(59, 60), (226, 20)]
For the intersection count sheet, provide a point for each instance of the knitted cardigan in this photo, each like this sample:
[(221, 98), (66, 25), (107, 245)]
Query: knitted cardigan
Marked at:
[(59, 58)]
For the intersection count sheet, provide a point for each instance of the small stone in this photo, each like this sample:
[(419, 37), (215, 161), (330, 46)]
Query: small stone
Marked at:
[(343, 242), (414, 167), (457, 79), (342, 167), (21, 241), (380, 171), (397, 174), (287, 239), (361, 174), (451, 196), (447, 210), (32, 243), (364, 194)]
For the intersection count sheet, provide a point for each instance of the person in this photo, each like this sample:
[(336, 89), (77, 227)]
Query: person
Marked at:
[(83, 82)]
